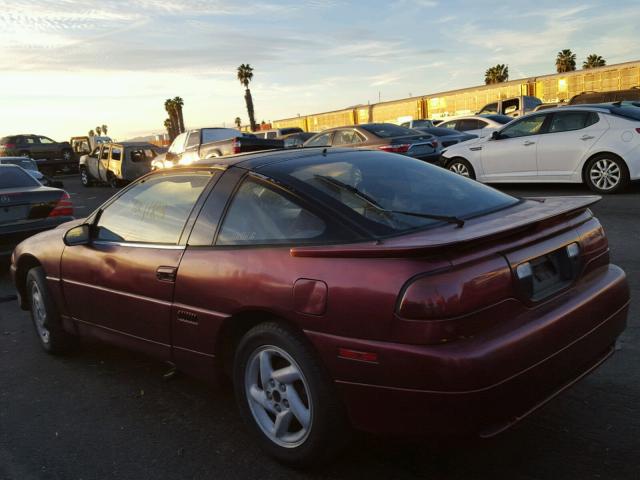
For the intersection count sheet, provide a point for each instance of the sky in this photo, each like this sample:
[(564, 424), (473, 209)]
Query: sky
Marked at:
[(69, 65)]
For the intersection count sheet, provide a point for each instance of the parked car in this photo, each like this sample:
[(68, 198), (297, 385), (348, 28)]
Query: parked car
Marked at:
[(547, 106), (445, 136), (631, 94), (50, 155), (27, 207), (296, 140), (31, 167), (117, 164), (84, 145), (336, 288), (598, 145), (418, 123), (382, 136), (480, 125), (513, 107), (277, 132), (205, 143)]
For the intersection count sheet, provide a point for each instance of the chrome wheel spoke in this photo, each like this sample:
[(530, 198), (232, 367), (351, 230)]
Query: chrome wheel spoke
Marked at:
[(282, 423), (265, 368), (286, 375), (260, 397)]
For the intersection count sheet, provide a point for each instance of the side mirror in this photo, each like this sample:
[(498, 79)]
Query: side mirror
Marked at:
[(495, 135), (80, 235)]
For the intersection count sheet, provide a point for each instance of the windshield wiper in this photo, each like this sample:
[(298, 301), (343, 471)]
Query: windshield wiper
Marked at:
[(371, 201)]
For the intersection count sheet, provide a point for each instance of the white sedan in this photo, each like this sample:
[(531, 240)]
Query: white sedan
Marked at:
[(595, 144), (480, 125)]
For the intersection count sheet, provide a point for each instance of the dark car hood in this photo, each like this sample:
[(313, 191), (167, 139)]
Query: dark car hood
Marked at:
[(526, 213)]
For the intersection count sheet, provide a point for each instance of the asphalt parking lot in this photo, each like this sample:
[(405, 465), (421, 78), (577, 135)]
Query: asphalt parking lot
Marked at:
[(108, 413)]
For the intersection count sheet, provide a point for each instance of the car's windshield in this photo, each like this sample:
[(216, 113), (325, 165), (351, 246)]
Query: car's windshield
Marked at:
[(13, 177), (388, 130), (381, 182), (26, 163)]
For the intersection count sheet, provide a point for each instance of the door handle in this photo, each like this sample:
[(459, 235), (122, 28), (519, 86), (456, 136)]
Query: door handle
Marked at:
[(166, 274), (528, 142), (586, 137)]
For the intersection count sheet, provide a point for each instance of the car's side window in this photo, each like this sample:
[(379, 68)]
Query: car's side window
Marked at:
[(45, 140), (491, 108), (346, 137), (468, 124), (177, 146), (529, 125), (450, 125), (261, 215), (95, 153), (105, 153), (567, 121), (153, 211), (323, 140), (116, 153), (194, 139)]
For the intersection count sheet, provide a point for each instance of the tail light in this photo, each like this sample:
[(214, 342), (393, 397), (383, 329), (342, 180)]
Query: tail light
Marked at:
[(638, 130), (64, 207), (9, 145), (434, 143), (235, 145), (397, 148), (456, 292)]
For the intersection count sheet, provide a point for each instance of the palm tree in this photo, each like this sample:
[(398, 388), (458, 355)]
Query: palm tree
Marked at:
[(245, 75), (238, 122), (171, 111), (104, 129), (99, 130), (566, 61), (169, 126), (92, 133), (178, 103), (594, 61), (497, 74)]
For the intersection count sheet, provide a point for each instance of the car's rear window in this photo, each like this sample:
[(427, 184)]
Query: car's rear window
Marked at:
[(628, 111), (503, 119), (388, 130), (366, 185), (15, 177)]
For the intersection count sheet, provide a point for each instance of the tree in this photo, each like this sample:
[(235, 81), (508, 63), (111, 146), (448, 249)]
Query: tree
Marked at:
[(104, 129), (169, 126), (99, 130), (178, 103), (245, 75), (565, 61), (594, 61), (497, 74), (238, 122), (92, 133), (171, 111)]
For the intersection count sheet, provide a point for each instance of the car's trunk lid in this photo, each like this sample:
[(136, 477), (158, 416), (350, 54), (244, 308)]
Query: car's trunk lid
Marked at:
[(27, 204)]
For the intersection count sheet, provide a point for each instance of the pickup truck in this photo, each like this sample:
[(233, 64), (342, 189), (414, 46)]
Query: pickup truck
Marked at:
[(513, 107), (204, 143)]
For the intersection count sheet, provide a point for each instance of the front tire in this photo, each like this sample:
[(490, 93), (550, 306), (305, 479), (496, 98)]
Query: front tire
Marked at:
[(85, 179), (462, 167), (46, 319), (606, 173), (285, 397)]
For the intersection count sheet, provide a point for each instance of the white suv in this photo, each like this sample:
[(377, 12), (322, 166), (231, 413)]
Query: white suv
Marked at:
[(595, 144)]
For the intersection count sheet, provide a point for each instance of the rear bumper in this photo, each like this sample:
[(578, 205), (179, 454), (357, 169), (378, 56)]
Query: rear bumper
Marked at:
[(12, 235), (488, 389)]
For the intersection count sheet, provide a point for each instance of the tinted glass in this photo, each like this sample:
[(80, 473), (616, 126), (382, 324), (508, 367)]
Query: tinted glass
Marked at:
[(287, 131), (116, 153), (217, 134), (11, 177), (567, 121), (468, 124), (422, 123), (389, 182), (261, 215), (502, 119), (387, 130), (531, 102), (346, 137), (451, 125), (491, 108), (320, 141), (627, 111), (523, 127), (153, 211)]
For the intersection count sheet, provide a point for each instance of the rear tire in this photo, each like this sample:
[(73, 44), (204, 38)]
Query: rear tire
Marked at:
[(67, 155), (44, 313), (294, 413), (606, 173), (113, 181), (462, 167)]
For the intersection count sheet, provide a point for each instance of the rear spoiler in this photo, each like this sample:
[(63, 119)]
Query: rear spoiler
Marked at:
[(530, 211)]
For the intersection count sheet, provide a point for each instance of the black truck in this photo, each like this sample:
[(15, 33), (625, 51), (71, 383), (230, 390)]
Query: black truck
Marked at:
[(204, 143), (49, 154)]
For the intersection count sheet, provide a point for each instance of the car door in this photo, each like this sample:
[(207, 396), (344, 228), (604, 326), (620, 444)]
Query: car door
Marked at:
[(49, 147), (103, 163), (567, 141), (92, 162), (33, 145), (120, 285), (513, 155)]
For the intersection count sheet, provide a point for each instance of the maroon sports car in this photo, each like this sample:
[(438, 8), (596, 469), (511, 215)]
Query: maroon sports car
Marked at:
[(338, 288)]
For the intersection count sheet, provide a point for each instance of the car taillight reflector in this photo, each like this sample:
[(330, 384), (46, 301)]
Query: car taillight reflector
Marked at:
[(235, 145), (399, 148), (64, 207), (8, 145), (457, 292), (357, 355)]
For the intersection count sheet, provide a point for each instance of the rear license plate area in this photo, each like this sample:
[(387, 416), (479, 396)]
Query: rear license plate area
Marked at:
[(13, 213), (548, 274)]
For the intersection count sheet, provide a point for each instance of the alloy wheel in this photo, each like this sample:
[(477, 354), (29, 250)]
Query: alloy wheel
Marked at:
[(605, 174), (39, 313), (460, 169), (279, 396)]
